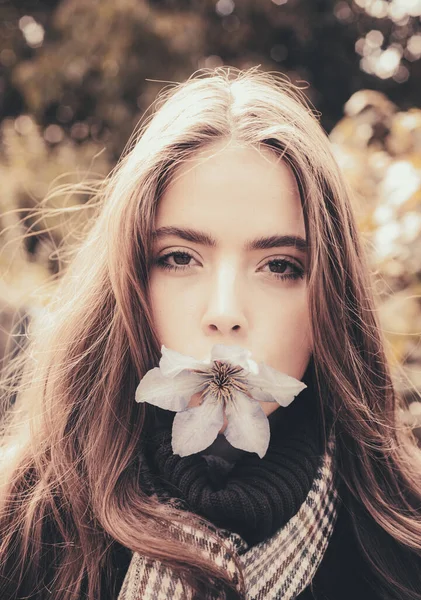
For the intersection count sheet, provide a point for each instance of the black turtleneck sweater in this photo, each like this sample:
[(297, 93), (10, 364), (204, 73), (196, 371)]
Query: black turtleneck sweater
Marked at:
[(235, 489)]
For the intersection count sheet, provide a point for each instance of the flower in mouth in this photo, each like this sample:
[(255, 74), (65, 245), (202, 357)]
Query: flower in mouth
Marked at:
[(231, 383)]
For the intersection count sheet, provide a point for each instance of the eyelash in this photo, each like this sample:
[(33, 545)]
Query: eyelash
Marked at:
[(297, 274)]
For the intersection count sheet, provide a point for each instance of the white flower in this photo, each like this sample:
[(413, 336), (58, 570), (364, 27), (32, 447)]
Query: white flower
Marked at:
[(230, 382)]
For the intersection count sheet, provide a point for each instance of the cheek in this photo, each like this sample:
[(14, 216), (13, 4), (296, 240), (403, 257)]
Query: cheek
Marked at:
[(171, 311), (288, 337)]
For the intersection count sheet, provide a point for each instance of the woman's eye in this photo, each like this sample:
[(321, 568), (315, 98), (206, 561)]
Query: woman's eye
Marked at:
[(181, 260), (285, 269)]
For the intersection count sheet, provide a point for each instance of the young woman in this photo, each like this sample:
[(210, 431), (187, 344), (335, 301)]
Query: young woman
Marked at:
[(227, 223)]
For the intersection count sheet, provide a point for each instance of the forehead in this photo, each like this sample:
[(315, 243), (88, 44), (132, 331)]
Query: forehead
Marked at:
[(233, 189)]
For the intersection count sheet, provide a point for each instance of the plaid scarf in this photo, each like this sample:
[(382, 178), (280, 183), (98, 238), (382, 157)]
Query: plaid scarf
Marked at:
[(280, 567)]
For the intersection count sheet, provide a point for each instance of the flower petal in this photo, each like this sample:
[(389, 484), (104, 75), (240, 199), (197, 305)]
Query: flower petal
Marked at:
[(271, 385), (234, 355), (248, 427), (171, 393), (194, 429), (172, 362)]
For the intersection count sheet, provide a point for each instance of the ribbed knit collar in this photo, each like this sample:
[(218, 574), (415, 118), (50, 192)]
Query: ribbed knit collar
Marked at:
[(235, 489)]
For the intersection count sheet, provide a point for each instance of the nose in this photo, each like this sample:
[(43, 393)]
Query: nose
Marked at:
[(224, 313)]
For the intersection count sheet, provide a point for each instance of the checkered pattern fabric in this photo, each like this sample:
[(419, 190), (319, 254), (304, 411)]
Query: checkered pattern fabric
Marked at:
[(278, 568)]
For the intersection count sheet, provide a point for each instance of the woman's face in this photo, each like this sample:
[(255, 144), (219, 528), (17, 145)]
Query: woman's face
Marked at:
[(222, 272)]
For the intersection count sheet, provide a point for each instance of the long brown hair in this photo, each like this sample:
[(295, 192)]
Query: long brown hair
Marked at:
[(72, 493)]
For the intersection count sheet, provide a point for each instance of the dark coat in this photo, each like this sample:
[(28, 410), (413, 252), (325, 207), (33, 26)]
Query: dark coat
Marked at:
[(343, 574)]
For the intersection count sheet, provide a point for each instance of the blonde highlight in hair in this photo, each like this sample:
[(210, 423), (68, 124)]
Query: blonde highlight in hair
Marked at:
[(73, 492)]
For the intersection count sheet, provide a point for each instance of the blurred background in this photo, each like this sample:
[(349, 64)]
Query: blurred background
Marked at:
[(76, 77)]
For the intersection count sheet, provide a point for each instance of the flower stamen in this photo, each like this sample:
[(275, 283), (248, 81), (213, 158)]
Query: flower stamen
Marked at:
[(222, 379)]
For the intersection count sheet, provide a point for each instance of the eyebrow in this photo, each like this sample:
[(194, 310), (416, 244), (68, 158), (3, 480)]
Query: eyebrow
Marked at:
[(205, 239)]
